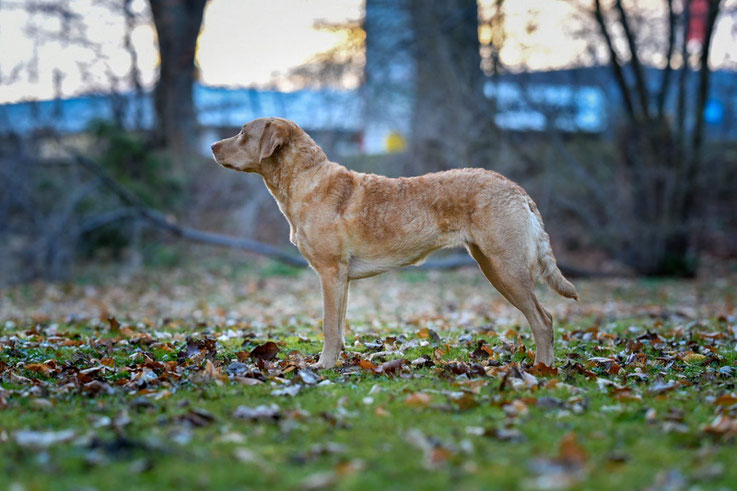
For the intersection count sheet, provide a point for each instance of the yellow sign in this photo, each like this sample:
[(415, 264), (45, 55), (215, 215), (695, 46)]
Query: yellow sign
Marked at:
[(395, 142)]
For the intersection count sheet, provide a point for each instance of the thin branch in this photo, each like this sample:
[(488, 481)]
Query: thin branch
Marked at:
[(616, 64), (683, 75), (704, 78), (107, 218), (642, 91), (665, 81)]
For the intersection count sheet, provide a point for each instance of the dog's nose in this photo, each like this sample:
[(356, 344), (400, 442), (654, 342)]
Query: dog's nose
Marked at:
[(212, 147)]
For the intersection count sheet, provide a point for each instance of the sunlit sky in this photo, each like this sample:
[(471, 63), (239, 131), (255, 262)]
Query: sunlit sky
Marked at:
[(246, 43)]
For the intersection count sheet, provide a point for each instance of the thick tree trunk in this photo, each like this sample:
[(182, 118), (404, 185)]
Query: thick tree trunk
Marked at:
[(177, 25), (448, 82)]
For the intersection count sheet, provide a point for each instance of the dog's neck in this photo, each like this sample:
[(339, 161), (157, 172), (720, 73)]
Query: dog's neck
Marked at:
[(295, 162)]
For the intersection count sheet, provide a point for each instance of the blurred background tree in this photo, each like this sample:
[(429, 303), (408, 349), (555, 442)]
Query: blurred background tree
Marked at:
[(661, 174), (177, 27), (448, 82)]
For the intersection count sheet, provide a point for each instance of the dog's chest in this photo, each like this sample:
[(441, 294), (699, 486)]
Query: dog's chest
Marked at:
[(363, 268)]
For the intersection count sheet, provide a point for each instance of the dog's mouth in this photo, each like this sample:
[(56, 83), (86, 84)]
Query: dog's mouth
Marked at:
[(225, 164), (219, 161)]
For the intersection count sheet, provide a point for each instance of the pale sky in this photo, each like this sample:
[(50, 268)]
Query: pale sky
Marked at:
[(251, 42), (242, 43), (247, 42)]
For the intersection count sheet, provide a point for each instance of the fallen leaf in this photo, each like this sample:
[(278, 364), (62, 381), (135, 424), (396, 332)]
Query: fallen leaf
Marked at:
[(418, 399), (247, 381), (197, 417), (319, 480), (266, 351), (392, 367), (570, 451), (269, 412), (464, 400), (426, 333), (726, 400), (236, 369), (308, 376), (42, 439), (723, 426), (543, 370), (694, 358), (505, 434), (661, 388), (289, 390), (39, 368), (515, 408), (196, 350), (113, 323)]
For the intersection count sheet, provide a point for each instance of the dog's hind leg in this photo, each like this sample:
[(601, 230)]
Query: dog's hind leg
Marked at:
[(514, 282), (334, 285)]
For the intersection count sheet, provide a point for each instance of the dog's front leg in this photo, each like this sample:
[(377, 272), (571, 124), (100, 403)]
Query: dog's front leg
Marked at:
[(334, 284)]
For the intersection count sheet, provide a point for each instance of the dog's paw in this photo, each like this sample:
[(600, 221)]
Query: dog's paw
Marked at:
[(323, 364)]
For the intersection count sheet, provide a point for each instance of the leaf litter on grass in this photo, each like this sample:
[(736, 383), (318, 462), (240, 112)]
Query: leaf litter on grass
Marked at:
[(456, 353)]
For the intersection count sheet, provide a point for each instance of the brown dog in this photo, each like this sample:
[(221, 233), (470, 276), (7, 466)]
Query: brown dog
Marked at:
[(350, 225)]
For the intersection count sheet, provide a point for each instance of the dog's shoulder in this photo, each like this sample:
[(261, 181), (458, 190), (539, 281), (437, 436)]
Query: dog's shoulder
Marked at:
[(340, 186)]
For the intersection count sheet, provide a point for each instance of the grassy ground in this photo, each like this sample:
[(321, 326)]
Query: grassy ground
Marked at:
[(201, 379)]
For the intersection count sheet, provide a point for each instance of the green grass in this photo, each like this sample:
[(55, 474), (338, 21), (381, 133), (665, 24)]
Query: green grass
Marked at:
[(366, 430)]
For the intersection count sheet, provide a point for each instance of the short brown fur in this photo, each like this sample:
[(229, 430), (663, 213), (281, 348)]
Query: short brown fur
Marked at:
[(350, 225)]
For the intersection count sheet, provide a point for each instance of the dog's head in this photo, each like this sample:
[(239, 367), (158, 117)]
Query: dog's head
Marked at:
[(257, 142)]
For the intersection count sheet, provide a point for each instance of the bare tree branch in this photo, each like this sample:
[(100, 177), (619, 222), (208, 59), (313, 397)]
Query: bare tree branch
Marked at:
[(642, 91), (615, 62), (665, 81), (681, 105), (704, 77)]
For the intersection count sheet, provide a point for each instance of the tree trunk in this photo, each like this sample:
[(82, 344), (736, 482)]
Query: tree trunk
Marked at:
[(177, 25), (448, 82)]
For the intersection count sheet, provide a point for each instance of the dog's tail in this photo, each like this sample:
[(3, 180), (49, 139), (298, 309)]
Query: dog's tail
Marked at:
[(547, 266)]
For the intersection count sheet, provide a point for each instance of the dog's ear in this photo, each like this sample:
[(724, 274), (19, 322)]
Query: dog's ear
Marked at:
[(273, 136)]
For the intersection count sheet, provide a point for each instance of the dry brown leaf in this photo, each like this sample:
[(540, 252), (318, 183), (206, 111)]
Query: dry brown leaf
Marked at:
[(266, 351), (726, 400), (722, 426), (418, 399), (40, 368), (466, 400), (543, 370), (693, 358), (392, 367), (114, 324), (570, 451)]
